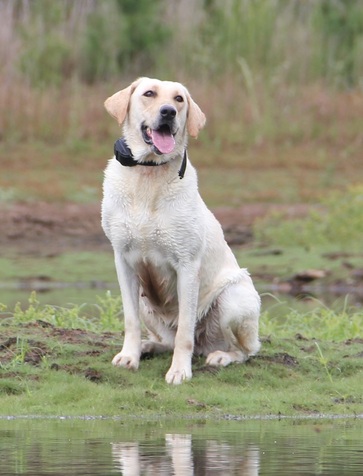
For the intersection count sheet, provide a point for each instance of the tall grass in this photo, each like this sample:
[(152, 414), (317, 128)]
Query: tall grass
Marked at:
[(261, 66), (279, 40)]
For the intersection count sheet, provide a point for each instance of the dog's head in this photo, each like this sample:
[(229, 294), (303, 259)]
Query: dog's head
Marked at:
[(156, 116)]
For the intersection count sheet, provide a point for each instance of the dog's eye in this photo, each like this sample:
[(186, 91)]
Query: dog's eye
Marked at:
[(179, 98), (149, 94)]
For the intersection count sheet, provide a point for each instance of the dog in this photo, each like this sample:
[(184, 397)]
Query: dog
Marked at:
[(176, 272)]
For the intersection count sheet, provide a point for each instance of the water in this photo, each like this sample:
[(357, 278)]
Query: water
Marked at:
[(249, 448)]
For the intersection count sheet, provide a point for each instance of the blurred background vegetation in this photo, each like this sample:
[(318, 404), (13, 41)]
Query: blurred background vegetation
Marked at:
[(52, 41), (277, 79)]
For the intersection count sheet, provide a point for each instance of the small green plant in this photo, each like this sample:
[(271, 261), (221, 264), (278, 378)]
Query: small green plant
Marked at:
[(22, 348), (106, 315), (110, 311), (324, 362), (18, 355)]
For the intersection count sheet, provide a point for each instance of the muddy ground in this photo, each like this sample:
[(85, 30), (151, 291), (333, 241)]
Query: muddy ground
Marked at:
[(45, 228), (50, 229)]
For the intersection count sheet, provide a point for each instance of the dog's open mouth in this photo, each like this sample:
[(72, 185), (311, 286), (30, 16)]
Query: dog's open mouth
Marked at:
[(162, 138)]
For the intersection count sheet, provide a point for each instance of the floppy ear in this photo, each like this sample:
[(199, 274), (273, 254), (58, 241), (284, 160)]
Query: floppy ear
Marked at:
[(196, 118), (117, 105)]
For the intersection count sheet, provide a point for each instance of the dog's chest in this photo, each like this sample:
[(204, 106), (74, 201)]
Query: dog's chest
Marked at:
[(143, 232), (150, 220)]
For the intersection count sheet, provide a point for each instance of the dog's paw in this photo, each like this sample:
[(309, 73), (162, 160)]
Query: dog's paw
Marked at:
[(219, 359), (222, 359), (177, 376), (130, 362)]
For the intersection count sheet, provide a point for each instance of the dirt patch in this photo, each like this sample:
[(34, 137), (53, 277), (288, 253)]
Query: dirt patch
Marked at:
[(47, 229), (23, 350), (280, 358), (40, 343)]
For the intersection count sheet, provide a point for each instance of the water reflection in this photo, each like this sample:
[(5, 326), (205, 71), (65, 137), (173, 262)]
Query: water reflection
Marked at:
[(187, 448), (183, 457)]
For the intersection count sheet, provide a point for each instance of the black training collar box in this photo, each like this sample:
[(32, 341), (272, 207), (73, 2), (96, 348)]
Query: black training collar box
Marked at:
[(124, 155)]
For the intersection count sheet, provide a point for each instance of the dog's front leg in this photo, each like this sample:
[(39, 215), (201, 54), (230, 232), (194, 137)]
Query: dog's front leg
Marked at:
[(188, 291), (129, 356)]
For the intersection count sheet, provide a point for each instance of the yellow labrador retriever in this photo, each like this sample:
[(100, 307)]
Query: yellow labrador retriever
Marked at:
[(175, 270)]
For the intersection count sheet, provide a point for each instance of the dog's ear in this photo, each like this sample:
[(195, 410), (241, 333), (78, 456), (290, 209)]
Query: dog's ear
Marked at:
[(196, 118), (117, 105)]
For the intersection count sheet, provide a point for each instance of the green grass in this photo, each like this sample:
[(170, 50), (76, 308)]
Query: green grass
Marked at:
[(281, 261), (69, 267), (338, 221), (319, 323), (63, 367)]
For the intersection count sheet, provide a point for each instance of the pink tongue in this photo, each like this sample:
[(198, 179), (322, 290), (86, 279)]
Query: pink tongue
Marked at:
[(163, 141)]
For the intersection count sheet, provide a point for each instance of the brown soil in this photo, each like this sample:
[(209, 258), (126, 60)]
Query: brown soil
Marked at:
[(49, 229), (44, 228)]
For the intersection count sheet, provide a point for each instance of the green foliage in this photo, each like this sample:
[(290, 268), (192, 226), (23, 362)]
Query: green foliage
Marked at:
[(238, 30), (106, 39), (46, 56), (340, 52), (98, 48), (289, 39), (338, 221), (104, 316), (320, 323), (45, 62), (144, 34), (324, 362), (277, 40)]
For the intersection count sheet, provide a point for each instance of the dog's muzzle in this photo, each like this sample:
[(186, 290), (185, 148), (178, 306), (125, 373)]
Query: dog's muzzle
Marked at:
[(162, 137)]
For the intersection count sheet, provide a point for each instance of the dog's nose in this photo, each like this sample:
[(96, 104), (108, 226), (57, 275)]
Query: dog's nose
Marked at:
[(167, 112)]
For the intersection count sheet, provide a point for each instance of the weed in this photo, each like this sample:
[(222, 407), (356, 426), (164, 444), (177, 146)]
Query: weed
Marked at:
[(103, 316), (22, 348), (17, 356), (324, 362), (110, 311)]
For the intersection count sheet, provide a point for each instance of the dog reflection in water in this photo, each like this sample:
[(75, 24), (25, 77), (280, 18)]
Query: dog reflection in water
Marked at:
[(183, 457)]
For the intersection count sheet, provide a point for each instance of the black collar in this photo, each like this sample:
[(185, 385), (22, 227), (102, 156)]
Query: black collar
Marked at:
[(124, 155)]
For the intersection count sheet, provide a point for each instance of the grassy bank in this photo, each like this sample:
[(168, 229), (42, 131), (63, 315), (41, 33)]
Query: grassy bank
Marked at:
[(54, 361)]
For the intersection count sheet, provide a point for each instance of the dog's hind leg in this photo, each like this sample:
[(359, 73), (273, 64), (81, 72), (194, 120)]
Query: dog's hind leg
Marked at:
[(239, 310)]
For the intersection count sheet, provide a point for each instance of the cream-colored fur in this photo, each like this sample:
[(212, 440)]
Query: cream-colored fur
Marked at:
[(175, 270)]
